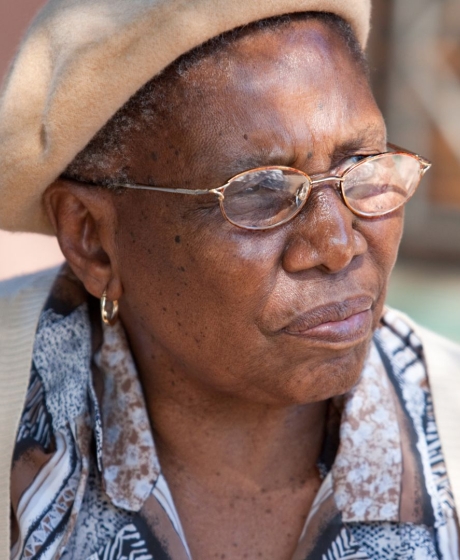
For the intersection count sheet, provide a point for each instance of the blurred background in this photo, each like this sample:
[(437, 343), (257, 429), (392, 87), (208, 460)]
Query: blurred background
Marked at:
[(414, 55)]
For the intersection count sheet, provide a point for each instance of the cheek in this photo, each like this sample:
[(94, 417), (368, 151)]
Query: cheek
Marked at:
[(196, 280), (383, 237), (190, 294)]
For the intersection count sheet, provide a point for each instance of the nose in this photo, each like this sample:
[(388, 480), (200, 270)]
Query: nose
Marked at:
[(323, 235)]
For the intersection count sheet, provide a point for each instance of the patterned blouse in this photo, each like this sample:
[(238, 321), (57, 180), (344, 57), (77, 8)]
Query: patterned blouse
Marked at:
[(87, 483)]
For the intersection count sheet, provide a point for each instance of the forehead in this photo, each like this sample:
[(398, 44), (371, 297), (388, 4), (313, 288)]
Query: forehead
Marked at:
[(284, 47), (264, 99)]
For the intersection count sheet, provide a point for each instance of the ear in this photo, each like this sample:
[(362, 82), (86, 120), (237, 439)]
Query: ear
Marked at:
[(84, 219)]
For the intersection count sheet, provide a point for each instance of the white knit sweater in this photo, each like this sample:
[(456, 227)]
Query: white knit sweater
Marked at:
[(21, 301)]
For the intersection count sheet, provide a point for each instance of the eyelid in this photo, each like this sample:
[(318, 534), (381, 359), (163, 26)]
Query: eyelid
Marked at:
[(347, 162)]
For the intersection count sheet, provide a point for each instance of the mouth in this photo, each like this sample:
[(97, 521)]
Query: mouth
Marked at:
[(344, 321)]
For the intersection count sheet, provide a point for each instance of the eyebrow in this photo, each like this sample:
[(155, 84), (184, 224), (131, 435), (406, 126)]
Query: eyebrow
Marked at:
[(245, 162), (370, 137)]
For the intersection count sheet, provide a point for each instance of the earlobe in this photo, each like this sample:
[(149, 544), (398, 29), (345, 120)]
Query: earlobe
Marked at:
[(84, 220)]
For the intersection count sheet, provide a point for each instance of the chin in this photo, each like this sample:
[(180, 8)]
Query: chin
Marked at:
[(333, 377)]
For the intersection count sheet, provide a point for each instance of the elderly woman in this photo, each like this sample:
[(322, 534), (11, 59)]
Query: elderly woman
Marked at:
[(214, 374)]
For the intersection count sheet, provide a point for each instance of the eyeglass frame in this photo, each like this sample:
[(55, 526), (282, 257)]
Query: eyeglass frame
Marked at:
[(304, 195)]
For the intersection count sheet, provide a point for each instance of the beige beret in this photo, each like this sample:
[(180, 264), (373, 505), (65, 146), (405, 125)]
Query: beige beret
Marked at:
[(83, 59)]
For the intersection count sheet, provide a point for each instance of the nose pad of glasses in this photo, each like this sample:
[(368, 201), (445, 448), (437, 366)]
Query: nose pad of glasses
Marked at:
[(302, 194)]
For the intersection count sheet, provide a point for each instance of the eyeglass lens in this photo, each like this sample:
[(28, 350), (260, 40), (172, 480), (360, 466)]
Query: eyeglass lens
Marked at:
[(263, 198)]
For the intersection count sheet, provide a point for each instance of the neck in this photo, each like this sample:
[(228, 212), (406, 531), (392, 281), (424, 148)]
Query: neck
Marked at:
[(240, 440), (211, 433)]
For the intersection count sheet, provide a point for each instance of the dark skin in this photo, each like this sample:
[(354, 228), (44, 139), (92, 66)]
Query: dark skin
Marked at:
[(236, 390)]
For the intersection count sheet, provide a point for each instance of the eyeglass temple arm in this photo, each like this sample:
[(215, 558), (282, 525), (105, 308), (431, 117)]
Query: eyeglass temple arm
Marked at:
[(219, 191), (170, 190)]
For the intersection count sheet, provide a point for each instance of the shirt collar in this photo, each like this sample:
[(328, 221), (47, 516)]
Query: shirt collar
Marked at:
[(367, 471), (125, 447)]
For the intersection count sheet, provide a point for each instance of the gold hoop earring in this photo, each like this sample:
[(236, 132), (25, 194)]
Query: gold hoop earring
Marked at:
[(109, 310)]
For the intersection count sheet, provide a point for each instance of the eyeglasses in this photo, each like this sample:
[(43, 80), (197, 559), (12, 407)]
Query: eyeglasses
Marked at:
[(267, 197)]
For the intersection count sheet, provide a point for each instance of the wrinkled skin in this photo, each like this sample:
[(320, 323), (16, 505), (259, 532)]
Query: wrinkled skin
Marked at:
[(205, 304), (225, 293)]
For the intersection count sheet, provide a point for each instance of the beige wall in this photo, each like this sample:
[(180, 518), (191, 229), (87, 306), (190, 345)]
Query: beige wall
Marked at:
[(20, 253)]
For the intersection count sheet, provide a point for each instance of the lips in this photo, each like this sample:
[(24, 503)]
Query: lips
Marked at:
[(347, 319)]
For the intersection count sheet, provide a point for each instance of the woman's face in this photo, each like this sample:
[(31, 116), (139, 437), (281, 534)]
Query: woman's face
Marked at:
[(278, 316)]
